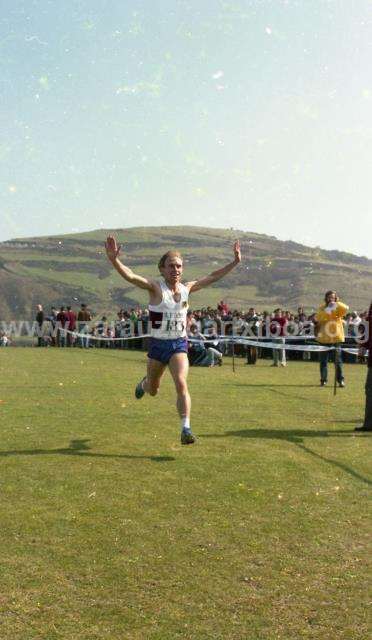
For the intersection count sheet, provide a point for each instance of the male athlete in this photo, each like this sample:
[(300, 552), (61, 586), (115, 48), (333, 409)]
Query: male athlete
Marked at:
[(168, 305)]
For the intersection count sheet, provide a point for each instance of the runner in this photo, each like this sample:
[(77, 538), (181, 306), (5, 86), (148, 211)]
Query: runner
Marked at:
[(168, 305)]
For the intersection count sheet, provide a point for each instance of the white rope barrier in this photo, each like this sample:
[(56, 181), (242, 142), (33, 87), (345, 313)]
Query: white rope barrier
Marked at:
[(267, 343), (284, 346), (264, 343), (90, 336)]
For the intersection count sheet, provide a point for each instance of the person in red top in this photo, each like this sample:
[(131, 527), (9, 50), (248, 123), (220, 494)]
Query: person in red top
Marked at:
[(367, 344), (71, 325), (223, 308), (278, 326)]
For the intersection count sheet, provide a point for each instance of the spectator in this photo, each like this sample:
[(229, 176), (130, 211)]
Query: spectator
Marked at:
[(101, 332), (253, 323), (353, 322), (119, 328), (4, 340), (223, 308), (367, 344), (61, 323), (40, 325), (330, 332), (71, 326), (53, 326), (84, 317), (277, 329), (199, 354)]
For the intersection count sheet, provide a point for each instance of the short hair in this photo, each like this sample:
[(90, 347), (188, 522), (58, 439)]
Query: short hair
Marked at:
[(169, 254)]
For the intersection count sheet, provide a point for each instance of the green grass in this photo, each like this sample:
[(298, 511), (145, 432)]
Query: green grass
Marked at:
[(111, 530)]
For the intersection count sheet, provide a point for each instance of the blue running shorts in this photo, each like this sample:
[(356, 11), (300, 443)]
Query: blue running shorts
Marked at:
[(163, 350)]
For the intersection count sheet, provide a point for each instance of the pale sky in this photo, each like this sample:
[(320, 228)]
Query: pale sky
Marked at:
[(252, 114)]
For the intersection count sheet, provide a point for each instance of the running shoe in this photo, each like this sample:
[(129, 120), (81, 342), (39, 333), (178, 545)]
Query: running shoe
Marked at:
[(187, 437), (139, 391)]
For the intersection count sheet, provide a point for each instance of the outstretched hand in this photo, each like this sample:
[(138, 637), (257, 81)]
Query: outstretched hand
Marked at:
[(237, 252), (112, 248)]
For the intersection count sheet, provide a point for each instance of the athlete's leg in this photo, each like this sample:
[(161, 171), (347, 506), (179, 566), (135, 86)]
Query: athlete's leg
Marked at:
[(151, 382), (179, 368), (155, 370)]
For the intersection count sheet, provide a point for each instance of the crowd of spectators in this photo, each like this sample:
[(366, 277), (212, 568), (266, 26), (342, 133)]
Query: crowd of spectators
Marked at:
[(66, 327)]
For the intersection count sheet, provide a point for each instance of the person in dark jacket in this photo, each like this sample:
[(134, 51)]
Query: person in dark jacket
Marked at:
[(367, 344), (40, 322), (253, 322)]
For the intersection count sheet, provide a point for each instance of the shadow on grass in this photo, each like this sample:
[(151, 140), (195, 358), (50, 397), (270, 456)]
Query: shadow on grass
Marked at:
[(296, 437), (290, 394), (292, 435), (81, 448), (274, 384)]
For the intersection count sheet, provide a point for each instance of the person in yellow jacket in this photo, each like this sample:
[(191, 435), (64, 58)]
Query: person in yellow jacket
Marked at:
[(329, 329)]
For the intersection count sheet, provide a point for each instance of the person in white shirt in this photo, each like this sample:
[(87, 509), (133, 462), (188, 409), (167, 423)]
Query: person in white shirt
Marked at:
[(4, 340), (353, 324), (168, 305)]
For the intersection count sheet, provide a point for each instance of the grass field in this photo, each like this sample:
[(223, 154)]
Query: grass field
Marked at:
[(111, 530)]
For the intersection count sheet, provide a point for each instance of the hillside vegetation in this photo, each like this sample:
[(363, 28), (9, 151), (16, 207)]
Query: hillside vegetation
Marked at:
[(71, 269)]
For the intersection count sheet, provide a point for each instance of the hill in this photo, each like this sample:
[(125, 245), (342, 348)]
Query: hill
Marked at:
[(70, 269)]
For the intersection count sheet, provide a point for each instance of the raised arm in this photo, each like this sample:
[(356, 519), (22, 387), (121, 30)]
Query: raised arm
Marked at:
[(218, 274), (113, 252)]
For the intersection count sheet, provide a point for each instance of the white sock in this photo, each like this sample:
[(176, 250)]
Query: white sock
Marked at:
[(185, 423)]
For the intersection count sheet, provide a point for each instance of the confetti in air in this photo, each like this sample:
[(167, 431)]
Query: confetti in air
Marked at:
[(36, 39), (44, 82)]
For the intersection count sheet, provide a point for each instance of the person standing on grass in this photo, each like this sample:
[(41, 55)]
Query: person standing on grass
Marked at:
[(278, 330), (71, 325), (40, 322), (168, 305), (84, 317), (61, 323), (329, 330), (364, 345)]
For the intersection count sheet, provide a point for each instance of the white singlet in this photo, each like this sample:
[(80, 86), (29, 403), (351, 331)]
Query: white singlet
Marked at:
[(168, 319)]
